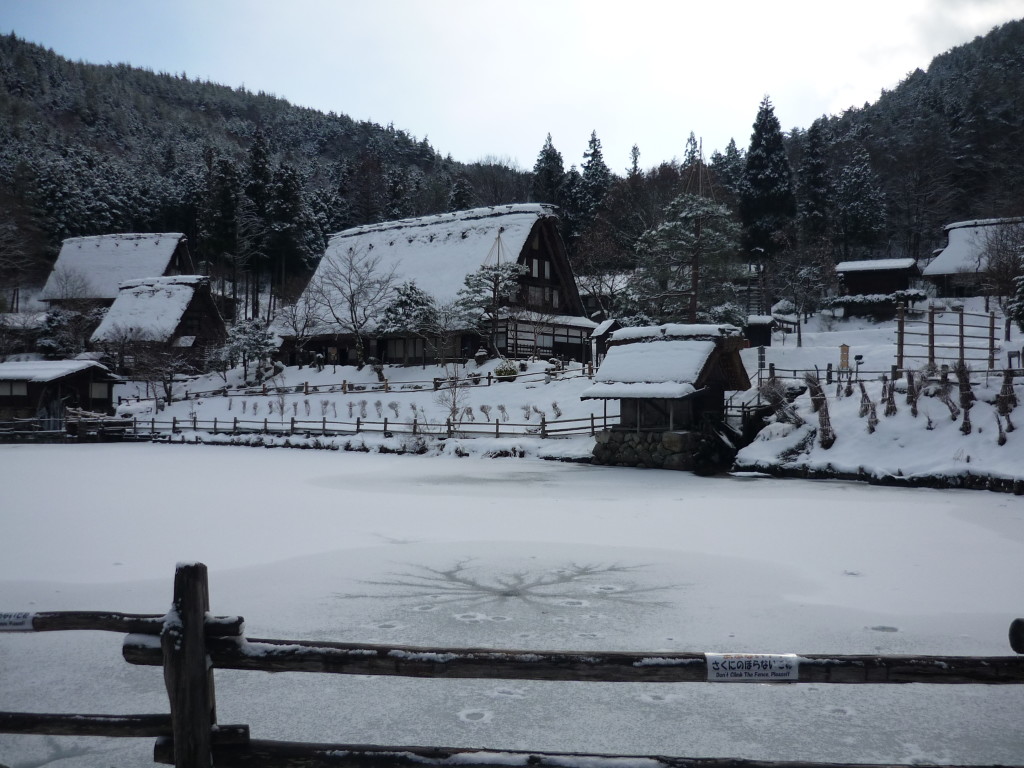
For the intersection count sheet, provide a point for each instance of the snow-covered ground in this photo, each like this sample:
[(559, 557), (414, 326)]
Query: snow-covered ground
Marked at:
[(421, 550)]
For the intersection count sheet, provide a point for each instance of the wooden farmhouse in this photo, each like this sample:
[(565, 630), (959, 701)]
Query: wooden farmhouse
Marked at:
[(176, 313), (670, 383), (42, 389), (89, 270), (877, 276), (546, 317), (959, 268)]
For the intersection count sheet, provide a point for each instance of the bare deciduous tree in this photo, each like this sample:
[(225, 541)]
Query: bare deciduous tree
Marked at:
[(352, 288)]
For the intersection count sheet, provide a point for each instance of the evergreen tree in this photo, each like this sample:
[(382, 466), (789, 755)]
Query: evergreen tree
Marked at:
[(860, 205), (548, 173), (460, 196), (814, 209), (597, 178), (686, 263), (728, 170), (767, 202)]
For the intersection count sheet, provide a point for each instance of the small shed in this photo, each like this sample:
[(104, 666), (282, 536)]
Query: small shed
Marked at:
[(877, 276), (42, 389), (670, 382)]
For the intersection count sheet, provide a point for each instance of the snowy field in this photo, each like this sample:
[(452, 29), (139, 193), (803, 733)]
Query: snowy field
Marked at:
[(515, 554)]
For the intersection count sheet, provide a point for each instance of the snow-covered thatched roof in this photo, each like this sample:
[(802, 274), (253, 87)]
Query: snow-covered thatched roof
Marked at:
[(875, 265), (150, 309), (660, 369), (437, 252), (676, 331), (94, 267), (965, 243), (47, 370)]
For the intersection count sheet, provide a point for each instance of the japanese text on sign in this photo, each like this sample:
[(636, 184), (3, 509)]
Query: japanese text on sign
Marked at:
[(752, 667), (16, 622)]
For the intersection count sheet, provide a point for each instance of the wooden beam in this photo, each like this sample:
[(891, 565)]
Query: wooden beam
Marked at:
[(118, 726), (611, 667), (267, 754), (128, 623)]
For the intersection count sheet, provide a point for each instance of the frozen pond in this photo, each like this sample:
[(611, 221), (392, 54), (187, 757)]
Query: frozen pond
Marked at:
[(514, 554)]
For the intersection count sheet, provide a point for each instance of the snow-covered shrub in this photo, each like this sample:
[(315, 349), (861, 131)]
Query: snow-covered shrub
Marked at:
[(393, 405), (872, 418), (362, 408), (890, 396), (467, 413), (379, 407), (556, 410), (245, 405), (255, 408), (486, 411), (526, 412), (506, 369), (305, 406), (503, 412)]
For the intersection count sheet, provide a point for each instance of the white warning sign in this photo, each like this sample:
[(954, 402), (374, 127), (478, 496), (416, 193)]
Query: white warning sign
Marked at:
[(752, 667), (16, 622)]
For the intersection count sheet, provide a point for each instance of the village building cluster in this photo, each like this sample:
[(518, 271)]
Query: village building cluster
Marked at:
[(667, 380)]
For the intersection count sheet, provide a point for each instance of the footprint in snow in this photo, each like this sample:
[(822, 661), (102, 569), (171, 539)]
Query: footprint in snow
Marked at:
[(475, 716)]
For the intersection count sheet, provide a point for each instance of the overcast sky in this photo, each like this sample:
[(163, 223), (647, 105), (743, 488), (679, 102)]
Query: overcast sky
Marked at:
[(481, 78)]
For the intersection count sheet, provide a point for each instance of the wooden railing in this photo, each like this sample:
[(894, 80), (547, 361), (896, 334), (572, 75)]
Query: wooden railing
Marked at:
[(152, 428), (189, 644)]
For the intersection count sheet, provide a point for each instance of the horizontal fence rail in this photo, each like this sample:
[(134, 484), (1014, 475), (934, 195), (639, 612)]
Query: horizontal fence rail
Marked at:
[(618, 667), (190, 643), (292, 427)]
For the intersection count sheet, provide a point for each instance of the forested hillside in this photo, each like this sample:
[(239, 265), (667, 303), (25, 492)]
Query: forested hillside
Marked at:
[(257, 184)]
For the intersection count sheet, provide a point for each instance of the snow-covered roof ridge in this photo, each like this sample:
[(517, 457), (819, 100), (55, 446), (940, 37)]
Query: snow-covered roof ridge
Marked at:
[(983, 222), (45, 370), (676, 331), (471, 214), (156, 282), (864, 265), (150, 308), (102, 262)]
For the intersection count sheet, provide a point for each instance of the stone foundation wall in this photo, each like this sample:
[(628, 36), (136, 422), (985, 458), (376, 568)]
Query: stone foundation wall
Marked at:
[(658, 450)]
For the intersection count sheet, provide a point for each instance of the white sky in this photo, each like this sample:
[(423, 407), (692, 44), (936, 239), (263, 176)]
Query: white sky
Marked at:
[(493, 78)]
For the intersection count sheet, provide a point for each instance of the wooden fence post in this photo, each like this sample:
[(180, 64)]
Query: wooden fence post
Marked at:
[(900, 327), (174, 424), (305, 387), (344, 387), (448, 426), (497, 427), (323, 427), (991, 340), (385, 423), (414, 425), (931, 335), (188, 679), (291, 429), (234, 426), (543, 426), (358, 422), (960, 328), (593, 429), (215, 425)]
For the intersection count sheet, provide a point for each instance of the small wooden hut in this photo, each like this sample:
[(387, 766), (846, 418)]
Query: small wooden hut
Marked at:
[(670, 381), (42, 389)]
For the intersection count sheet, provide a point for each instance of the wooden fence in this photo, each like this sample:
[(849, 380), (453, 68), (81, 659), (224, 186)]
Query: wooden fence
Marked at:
[(153, 428), (948, 336), (189, 644)]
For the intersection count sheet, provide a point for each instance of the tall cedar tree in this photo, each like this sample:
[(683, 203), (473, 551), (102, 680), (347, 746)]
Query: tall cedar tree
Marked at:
[(814, 213), (767, 202), (548, 173), (597, 177)]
